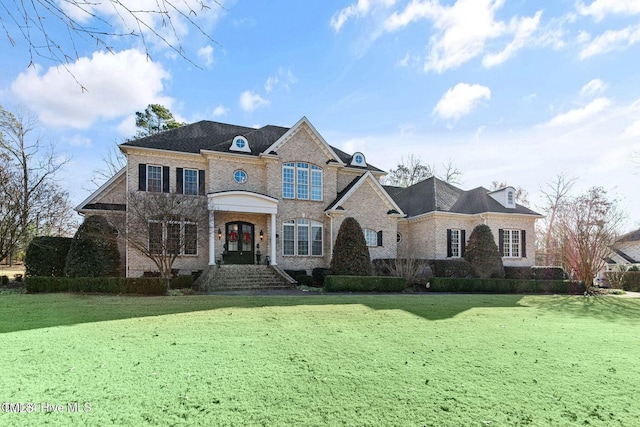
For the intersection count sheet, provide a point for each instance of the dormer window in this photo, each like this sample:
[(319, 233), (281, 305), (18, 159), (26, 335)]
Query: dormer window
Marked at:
[(240, 143), (510, 201), (358, 160)]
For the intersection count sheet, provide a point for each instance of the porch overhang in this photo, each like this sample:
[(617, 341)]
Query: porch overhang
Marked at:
[(242, 201)]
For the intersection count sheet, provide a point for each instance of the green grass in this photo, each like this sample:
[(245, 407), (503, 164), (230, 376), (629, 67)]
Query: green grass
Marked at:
[(434, 360)]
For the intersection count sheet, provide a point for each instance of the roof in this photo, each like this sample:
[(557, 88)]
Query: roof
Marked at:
[(633, 236), (343, 195), (215, 136), (435, 195)]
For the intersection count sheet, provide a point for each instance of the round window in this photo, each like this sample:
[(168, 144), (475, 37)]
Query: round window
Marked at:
[(398, 237), (359, 159), (240, 143), (240, 176)]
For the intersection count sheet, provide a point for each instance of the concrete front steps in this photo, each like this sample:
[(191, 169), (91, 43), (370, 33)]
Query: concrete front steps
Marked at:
[(245, 277)]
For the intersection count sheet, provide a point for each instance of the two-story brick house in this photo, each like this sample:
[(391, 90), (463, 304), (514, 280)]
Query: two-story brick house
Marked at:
[(282, 193)]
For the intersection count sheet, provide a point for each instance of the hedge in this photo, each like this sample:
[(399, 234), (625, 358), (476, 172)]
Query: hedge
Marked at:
[(364, 284), (505, 286), (451, 267), (109, 285), (631, 281), (319, 274)]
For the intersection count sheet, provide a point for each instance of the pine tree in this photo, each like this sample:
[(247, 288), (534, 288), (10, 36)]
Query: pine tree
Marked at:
[(483, 254), (350, 252)]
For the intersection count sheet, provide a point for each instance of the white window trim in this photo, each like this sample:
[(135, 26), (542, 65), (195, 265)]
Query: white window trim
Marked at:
[(165, 235), (148, 178), (311, 170), (184, 181), (508, 244), (372, 233), (456, 246), (311, 224)]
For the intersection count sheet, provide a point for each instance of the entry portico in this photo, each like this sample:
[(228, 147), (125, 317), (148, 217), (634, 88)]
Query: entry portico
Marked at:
[(242, 202)]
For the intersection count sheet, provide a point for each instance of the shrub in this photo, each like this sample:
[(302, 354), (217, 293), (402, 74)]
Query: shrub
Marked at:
[(4, 280), (350, 252), (111, 285), (364, 284), (319, 274), (483, 254), (451, 267), (46, 256), (415, 271), (94, 250), (505, 286), (304, 280), (295, 273), (631, 281), (521, 273), (548, 273), (182, 282)]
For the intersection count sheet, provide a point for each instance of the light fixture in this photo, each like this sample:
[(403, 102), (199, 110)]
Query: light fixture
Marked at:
[(219, 234), (261, 235)]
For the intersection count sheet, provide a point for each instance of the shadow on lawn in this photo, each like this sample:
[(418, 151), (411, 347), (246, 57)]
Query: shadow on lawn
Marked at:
[(28, 311), (608, 308)]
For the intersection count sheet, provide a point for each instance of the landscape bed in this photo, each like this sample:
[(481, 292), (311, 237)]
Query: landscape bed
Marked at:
[(435, 360)]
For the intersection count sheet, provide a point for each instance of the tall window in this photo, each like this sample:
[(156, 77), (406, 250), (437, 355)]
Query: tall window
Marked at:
[(302, 237), (190, 181), (511, 243), (370, 236), (154, 178), (301, 181), (175, 237), (455, 243)]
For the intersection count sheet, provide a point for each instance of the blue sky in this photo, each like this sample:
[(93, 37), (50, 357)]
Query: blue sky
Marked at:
[(508, 90)]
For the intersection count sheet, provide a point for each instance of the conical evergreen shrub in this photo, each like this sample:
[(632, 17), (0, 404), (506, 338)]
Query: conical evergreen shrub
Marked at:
[(350, 252), (483, 254), (94, 250)]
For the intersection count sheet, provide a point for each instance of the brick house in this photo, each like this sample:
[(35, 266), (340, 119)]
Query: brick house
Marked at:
[(282, 193)]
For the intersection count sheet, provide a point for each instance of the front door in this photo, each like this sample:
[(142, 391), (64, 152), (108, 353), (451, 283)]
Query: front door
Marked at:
[(239, 243)]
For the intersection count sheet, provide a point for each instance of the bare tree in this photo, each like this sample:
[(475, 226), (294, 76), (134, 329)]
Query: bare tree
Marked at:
[(412, 170), (30, 195), (556, 195), (588, 225), (163, 226), (97, 23), (522, 195)]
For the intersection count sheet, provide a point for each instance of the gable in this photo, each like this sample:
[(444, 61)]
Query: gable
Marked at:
[(367, 180)]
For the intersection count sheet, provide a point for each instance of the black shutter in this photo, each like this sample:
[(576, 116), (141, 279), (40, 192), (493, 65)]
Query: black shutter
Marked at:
[(449, 249), (463, 242), (501, 241), (523, 243), (142, 177), (179, 180), (165, 179), (201, 182), (380, 238)]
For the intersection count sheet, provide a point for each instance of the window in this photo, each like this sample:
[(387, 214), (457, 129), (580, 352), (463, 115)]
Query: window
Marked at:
[(302, 237), (301, 181), (176, 238), (154, 178), (370, 236), (240, 176), (511, 243), (456, 242), (510, 201), (190, 181)]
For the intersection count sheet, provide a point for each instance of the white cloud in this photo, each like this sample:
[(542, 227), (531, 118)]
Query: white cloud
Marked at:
[(594, 87), (220, 111), (600, 8), (461, 100), (206, 55), (611, 40), (524, 28), (250, 101), (581, 115), (357, 10), (116, 85), (78, 141), (633, 130), (284, 78)]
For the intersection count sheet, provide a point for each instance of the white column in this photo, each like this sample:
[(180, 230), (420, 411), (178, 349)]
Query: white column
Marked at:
[(273, 239), (212, 239)]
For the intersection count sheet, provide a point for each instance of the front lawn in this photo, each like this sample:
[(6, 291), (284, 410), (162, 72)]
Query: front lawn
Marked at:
[(434, 360)]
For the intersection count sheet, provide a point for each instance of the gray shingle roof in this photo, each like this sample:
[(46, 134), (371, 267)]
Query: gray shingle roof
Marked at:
[(434, 194), (215, 136)]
